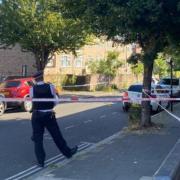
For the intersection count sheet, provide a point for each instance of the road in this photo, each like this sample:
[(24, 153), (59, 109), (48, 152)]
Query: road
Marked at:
[(79, 123)]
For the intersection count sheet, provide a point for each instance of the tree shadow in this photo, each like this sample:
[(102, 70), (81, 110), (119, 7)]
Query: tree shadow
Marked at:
[(16, 131)]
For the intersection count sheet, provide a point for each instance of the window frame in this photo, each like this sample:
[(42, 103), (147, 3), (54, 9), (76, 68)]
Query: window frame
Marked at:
[(76, 60), (64, 63)]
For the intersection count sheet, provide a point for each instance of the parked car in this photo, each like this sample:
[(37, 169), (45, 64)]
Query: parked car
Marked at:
[(154, 80), (166, 84), (17, 88), (135, 91)]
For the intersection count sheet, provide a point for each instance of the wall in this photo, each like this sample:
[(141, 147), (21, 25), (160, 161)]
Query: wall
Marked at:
[(93, 52), (11, 61)]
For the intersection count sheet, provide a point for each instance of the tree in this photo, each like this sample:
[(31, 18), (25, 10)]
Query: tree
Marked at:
[(108, 66), (137, 69), (136, 64), (173, 52), (153, 24), (160, 66), (38, 26), (93, 66)]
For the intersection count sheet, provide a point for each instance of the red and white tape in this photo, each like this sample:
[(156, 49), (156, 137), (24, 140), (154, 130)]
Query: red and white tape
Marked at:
[(84, 85), (171, 114), (79, 99)]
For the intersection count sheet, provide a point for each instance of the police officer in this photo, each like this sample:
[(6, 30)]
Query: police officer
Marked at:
[(43, 117)]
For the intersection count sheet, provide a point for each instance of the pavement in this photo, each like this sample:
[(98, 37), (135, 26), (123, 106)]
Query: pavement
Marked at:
[(151, 154)]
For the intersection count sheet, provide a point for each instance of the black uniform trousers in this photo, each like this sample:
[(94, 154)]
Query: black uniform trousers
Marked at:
[(40, 121)]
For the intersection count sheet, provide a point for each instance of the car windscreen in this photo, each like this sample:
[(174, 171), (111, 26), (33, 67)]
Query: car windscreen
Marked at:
[(158, 90), (135, 88), (175, 82), (10, 84)]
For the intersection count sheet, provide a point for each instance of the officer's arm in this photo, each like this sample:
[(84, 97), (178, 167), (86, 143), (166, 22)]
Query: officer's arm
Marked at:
[(31, 92), (31, 96), (54, 93)]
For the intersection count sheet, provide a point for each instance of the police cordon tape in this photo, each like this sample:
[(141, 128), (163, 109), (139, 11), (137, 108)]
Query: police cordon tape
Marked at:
[(79, 99), (158, 88), (83, 85), (171, 114)]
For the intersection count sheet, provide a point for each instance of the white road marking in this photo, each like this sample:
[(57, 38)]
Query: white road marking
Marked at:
[(88, 121), (69, 127), (55, 159), (103, 116), (48, 138)]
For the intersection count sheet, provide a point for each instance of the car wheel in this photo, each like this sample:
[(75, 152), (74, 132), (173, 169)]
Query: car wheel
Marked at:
[(159, 107), (27, 106), (126, 108), (2, 108), (168, 105), (151, 109)]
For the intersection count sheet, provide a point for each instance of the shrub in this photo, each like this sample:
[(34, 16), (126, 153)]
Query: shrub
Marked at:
[(114, 86), (134, 116)]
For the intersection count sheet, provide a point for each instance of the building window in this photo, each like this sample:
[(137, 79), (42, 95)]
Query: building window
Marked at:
[(79, 61), (65, 61)]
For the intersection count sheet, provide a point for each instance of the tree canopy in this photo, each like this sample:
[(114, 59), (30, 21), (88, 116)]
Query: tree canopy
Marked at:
[(137, 69), (130, 20), (174, 53), (38, 26), (160, 66), (108, 66), (153, 24)]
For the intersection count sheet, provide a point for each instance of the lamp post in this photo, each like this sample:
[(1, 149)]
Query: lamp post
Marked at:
[(170, 62)]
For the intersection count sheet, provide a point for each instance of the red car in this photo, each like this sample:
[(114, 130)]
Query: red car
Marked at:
[(16, 88)]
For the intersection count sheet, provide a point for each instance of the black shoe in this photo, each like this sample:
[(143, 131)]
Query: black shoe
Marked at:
[(72, 152), (40, 165)]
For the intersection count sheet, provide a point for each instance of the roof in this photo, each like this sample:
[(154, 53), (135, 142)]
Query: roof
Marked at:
[(10, 78), (140, 84)]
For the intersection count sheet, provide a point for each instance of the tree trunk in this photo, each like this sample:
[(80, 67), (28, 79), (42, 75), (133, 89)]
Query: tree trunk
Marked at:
[(146, 108), (39, 65), (150, 50), (41, 58)]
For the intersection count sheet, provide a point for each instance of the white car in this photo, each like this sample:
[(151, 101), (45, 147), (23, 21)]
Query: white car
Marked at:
[(135, 92), (154, 81), (166, 84)]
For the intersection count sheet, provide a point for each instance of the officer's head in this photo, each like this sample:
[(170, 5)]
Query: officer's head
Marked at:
[(39, 76)]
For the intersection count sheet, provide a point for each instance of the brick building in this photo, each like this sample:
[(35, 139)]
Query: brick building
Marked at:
[(68, 64), (13, 60), (61, 65)]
